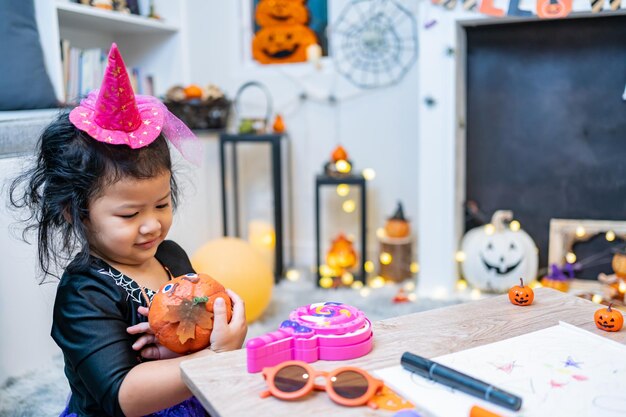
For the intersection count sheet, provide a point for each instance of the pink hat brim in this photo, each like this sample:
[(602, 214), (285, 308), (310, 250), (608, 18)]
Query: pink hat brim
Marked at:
[(151, 113)]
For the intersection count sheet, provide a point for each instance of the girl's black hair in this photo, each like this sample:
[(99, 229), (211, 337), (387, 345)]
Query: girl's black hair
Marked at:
[(72, 169)]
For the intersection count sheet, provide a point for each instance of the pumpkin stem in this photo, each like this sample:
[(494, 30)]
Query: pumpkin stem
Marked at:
[(500, 218), (521, 281), (609, 307), (198, 300)]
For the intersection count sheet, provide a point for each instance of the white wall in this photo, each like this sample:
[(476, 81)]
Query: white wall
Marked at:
[(25, 306), (379, 128)]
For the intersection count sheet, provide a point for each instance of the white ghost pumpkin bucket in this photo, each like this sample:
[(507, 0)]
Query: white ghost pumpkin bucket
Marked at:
[(497, 256)]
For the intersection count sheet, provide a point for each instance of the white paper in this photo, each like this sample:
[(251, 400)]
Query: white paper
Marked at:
[(559, 371)]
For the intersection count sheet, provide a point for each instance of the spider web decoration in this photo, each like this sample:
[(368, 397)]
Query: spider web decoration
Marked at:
[(374, 42), (132, 288)]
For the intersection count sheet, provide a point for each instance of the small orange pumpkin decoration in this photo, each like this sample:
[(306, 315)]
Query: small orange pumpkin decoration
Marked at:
[(193, 91), (279, 124), (339, 153), (181, 313), (608, 319), (341, 255), (282, 44), (521, 295), (281, 12), (397, 226), (618, 263)]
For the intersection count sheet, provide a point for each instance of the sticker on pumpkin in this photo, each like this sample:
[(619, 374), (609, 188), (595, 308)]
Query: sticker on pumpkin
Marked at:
[(189, 314)]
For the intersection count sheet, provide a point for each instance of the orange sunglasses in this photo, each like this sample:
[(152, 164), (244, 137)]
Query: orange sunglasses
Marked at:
[(348, 385)]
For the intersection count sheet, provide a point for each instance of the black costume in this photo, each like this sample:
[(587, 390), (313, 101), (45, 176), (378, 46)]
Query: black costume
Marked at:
[(92, 310)]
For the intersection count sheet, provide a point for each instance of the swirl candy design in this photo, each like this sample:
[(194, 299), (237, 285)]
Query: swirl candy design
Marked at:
[(327, 331)]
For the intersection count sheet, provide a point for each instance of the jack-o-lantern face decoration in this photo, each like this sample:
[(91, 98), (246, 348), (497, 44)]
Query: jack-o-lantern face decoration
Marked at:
[(282, 44), (496, 256), (181, 313), (281, 12), (608, 319), (521, 295)]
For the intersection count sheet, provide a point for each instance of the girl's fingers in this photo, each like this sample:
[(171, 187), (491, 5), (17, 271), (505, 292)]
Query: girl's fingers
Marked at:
[(143, 311), (146, 339), (239, 307), (151, 352), (139, 328), (220, 320)]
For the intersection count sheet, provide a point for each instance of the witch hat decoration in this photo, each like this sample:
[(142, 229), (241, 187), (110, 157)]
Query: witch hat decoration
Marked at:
[(399, 214), (115, 115), (397, 225)]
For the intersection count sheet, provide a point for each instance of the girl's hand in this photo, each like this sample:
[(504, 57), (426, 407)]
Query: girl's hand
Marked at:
[(228, 336), (147, 343)]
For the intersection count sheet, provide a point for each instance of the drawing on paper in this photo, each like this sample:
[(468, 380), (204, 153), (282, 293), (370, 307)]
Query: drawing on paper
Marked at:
[(558, 371)]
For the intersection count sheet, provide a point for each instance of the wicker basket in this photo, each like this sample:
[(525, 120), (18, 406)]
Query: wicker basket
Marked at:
[(198, 114)]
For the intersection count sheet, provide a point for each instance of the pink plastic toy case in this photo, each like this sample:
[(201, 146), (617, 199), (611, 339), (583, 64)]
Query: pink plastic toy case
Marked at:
[(327, 331)]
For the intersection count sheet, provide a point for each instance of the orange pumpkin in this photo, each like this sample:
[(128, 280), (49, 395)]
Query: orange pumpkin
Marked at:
[(618, 263), (193, 91), (281, 12), (397, 225), (341, 255), (282, 44), (521, 295), (608, 319), (181, 313), (555, 284), (339, 153)]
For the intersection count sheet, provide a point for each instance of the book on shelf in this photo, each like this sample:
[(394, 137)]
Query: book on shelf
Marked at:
[(83, 70)]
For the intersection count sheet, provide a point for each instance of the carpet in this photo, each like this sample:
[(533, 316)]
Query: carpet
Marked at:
[(42, 393)]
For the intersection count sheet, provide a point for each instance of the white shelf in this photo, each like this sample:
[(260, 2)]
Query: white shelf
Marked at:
[(78, 16)]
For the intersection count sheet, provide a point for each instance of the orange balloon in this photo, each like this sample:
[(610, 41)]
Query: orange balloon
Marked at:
[(239, 267)]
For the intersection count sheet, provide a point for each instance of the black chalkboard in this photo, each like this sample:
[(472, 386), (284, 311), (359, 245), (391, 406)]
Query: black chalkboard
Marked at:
[(546, 122)]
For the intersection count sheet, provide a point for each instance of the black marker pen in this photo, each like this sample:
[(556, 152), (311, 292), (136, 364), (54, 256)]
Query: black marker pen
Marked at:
[(455, 379)]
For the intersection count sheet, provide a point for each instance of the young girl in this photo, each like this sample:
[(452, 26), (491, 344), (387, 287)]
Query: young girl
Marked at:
[(103, 188)]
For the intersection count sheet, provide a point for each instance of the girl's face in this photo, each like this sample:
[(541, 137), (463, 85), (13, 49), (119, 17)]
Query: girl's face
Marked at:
[(129, 220)]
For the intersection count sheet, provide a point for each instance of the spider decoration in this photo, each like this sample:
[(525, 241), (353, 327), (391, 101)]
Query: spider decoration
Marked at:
[(374, 42)]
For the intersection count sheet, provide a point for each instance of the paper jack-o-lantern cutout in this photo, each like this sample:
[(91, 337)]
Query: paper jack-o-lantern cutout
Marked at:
[(282, 44), (496, 256), (181, 313), (281, 12)]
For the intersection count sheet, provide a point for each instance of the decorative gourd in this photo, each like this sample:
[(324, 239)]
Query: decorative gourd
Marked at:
[(279, 124), (559, 278), (397, 225), (341, 255), (521, 295), (281, 12), (495, 256), (608, 319), (282, 44), (181, 313)]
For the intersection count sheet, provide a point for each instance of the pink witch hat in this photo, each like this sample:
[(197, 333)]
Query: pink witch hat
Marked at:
[(115, 115)]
